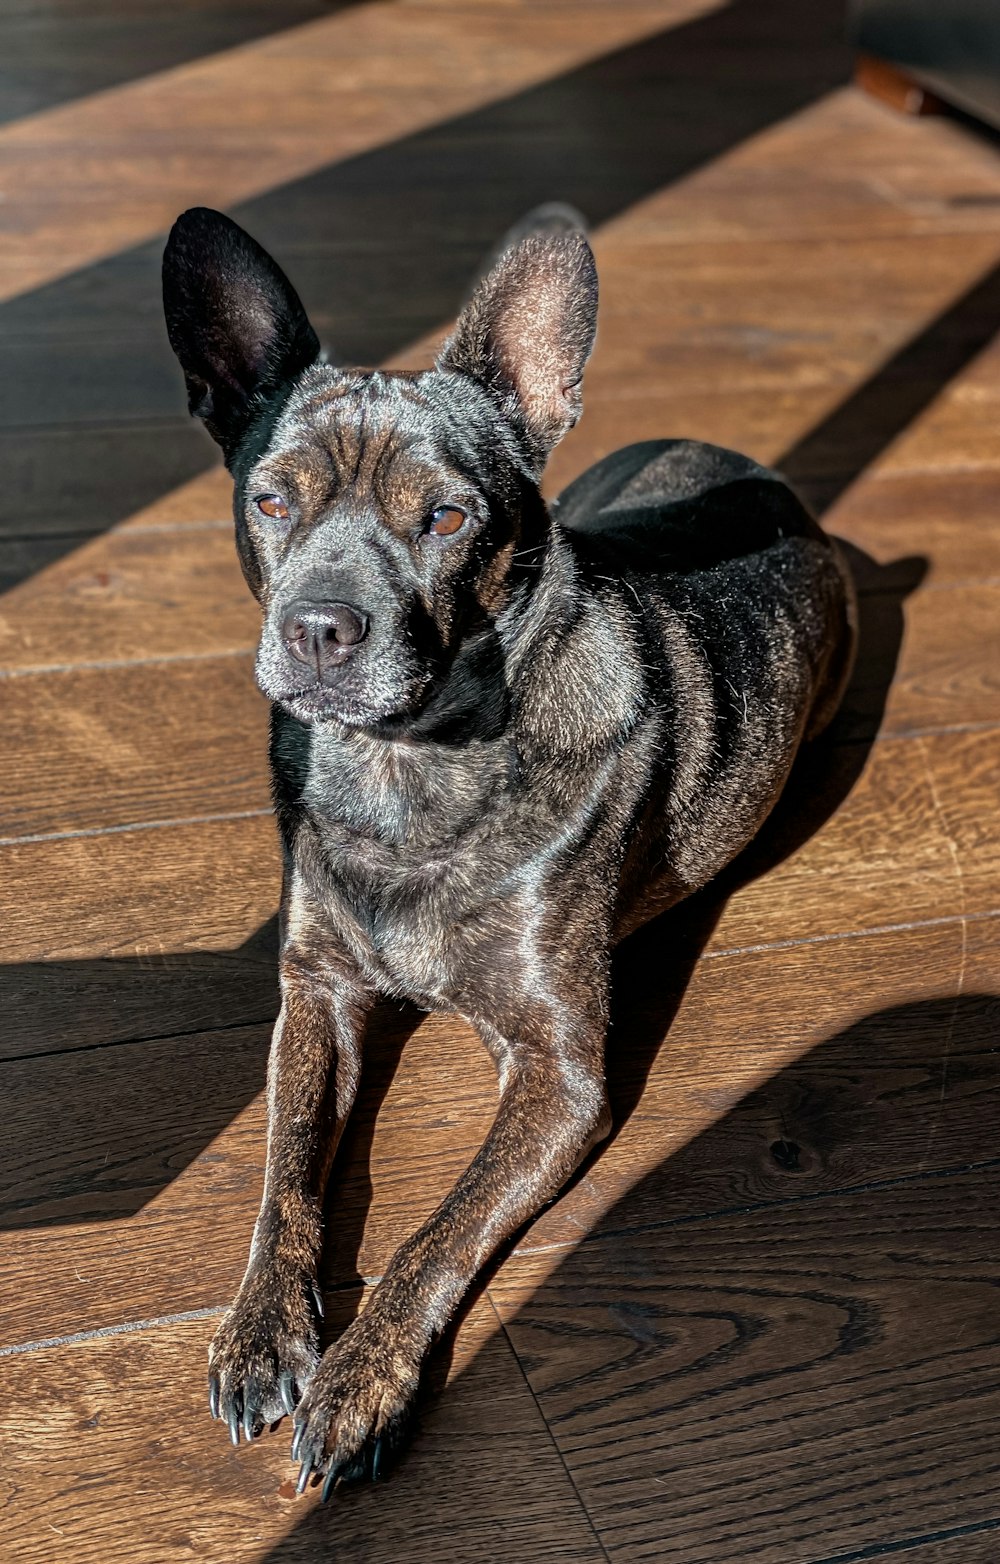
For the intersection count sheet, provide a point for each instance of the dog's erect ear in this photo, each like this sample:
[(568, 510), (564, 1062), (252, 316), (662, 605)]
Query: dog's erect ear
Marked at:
[(233, 319), (526, 335)]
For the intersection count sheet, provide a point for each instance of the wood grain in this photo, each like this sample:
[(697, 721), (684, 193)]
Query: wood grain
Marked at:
[(914, 838), (904, 1088), (156, 1133), (128, 1415), (128, 597), (131, 744), (187, 738), (89, 178), (108, 1224), (761, 1324), (785, 1383), (947, 518), (75, 50)]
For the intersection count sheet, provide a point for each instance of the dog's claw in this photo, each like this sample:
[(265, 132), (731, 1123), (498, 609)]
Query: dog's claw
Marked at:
[(328, 1483), (307, 1466), (213, 1396), (286, 1390), (249, 1422), (297, 1433), (318, 1300), (377, 1460), (233, 1419)]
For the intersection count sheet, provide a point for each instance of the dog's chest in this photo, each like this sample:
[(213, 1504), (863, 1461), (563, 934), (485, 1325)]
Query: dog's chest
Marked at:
[(410, 841)]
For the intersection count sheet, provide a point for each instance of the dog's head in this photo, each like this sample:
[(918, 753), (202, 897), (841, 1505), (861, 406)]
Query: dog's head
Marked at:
[(377, 514)]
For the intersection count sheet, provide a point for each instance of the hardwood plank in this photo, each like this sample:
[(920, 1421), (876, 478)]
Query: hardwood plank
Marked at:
[(752, 308), (206, 885), (51, 1004), (97, 381), (208, 495), (130, 744), (838, 167), (148, 932), (88, 179), (105, 1220), (130, 596), (949, 518), (156, 1135), (954, 1545), (804, 1382), (171, 740), (74, 50), (128, 1414), (914, 838), (60, 476), (708, 1092), (955, 433), (948, 671), (763, 313)]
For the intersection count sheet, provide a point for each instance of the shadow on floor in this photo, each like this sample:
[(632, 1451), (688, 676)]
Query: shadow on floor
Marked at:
[(381, 247), (55, 53), (201, 1020), (781, 1343)]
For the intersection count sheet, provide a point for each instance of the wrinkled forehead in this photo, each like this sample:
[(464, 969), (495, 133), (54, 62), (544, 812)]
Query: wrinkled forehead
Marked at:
[(391, 438)]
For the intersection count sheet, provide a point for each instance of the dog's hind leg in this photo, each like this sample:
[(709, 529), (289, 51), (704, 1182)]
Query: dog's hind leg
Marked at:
[(265, 1349)]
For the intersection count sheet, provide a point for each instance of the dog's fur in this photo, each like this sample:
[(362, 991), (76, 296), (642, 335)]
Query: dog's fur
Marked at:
[(548, 726)]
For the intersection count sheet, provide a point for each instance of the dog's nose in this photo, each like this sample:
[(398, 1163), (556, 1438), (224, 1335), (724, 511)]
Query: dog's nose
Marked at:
[(323, 634)]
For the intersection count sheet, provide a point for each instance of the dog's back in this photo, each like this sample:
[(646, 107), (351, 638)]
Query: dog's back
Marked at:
[(747, 606)]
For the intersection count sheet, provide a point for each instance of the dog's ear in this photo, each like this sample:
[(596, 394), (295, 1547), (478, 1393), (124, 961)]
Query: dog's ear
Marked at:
[(526, 335), (233, 319)]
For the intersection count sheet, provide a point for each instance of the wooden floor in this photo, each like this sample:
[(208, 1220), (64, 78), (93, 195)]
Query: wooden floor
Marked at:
[(765, 1323)]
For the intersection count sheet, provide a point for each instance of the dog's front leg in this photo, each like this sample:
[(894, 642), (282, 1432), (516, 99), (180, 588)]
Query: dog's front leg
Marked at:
[(553, 1109), (266, 1348)]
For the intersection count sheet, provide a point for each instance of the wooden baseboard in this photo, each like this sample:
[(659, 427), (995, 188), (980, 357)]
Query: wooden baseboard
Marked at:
[(894, 87)]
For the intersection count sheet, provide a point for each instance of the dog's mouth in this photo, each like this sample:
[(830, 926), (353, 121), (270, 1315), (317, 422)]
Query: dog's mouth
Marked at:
[(324, 703), (370, 688)]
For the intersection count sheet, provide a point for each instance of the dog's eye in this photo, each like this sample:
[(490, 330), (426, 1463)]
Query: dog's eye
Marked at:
[(446, 520), (273, 505)]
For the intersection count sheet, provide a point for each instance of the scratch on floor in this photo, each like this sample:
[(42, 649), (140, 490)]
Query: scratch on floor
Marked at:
[(956, 859), (126, 1328)]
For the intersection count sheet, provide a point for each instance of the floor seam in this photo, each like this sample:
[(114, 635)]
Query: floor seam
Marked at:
[(546, 1425), (712, 955), (134, 1042), (102, 1332), (133, 825), (37, 669), (878, 1550)]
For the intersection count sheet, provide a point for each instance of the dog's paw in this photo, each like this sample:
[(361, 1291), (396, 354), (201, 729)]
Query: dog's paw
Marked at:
[(263, 1355), (357, 1410)]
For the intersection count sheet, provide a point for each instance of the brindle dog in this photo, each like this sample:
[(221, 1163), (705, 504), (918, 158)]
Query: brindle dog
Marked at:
[(504, 734)]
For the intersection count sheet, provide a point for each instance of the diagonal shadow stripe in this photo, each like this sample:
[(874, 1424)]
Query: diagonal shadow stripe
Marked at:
[(380, 246), (742, 1297), (53, 55), (833, 454)]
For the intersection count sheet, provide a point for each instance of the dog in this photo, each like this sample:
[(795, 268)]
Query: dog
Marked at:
[(503, 736)]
